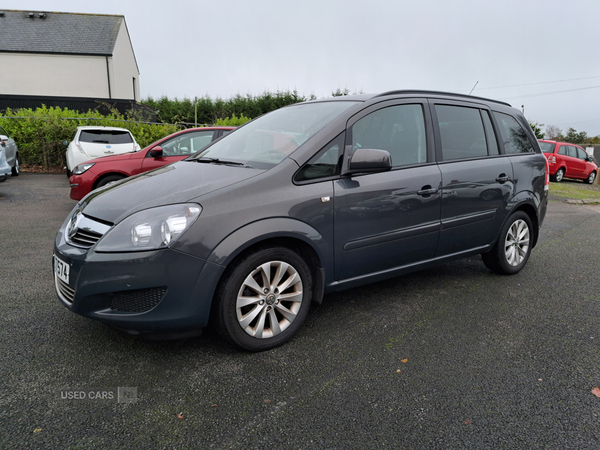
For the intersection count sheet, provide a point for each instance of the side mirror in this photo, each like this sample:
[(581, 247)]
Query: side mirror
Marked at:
[(156, 152), (369, 160), (2, 139), (65, 143)]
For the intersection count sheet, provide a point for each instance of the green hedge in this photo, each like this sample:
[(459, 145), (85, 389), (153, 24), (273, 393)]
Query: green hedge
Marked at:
[(39, 133), (207, 110)]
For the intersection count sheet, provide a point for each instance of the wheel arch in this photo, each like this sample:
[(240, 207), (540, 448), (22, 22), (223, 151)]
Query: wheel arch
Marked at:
[(531, 211), (280, 232), (106, 175)]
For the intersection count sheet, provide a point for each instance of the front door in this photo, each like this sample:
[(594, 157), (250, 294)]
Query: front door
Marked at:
[(389, 220)]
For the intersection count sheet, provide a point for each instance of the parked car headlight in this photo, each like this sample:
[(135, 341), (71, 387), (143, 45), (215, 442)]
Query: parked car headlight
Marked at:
[(78, 170), (150, 229)]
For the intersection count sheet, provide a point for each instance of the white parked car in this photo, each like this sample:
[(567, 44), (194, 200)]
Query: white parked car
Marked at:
[(91, 142)]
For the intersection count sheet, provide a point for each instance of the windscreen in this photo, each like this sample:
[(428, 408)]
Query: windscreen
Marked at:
[(268, 140), (105, 136)]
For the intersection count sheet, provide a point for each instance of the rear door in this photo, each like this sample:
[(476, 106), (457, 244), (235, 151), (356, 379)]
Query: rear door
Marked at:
[(477, 180), (388, 220)]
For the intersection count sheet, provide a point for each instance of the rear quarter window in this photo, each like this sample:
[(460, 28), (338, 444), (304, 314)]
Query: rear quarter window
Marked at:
[(514, 136), (547, 147)]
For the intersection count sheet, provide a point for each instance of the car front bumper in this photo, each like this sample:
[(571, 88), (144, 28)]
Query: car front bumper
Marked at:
[(159, 291)]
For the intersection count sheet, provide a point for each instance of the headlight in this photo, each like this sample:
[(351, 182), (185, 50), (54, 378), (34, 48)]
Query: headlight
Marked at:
[(82, 168), (150, 229)]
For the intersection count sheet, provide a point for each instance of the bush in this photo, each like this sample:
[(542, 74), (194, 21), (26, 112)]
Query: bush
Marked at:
[(39, 133), (208, 110), (233, 121)]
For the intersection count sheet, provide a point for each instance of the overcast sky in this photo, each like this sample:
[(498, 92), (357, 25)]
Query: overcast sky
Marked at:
[(543, 55)]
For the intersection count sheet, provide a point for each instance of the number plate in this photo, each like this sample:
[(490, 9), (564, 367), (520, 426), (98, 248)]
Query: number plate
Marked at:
[(61, 269)]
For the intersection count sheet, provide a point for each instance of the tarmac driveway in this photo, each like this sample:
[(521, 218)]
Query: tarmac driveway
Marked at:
[(452, 357)]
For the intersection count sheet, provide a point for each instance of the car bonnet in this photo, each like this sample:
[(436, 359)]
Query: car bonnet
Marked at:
[(175, 183)]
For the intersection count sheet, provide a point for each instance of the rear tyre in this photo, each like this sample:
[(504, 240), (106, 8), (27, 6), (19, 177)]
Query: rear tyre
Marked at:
[(559, 175), (109, 179), (511, 252), (590, 179), (16, 170), (264, 299)]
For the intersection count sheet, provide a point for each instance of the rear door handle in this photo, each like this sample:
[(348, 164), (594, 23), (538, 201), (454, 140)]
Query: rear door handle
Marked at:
[(502, 178)]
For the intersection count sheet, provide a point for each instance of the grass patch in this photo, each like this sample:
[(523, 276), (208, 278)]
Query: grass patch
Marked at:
[(575, 190)]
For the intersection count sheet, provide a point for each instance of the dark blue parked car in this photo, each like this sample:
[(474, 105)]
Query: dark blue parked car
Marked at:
[(309, 199)]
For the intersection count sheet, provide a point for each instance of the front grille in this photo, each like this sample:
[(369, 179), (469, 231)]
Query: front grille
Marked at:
[(84, 231), (139, 300), (63, 289), (85, 238)]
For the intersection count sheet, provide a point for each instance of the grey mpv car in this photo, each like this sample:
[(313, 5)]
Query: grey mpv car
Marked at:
[(309, 199)]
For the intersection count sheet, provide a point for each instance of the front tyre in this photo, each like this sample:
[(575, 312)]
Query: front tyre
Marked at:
[(511, 252), (590, 179), (16, 170), (264, 299)]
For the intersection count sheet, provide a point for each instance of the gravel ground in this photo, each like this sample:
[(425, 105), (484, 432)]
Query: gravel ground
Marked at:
[(448, 358)]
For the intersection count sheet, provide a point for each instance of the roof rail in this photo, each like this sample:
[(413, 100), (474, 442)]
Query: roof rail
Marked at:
[(420, 92)]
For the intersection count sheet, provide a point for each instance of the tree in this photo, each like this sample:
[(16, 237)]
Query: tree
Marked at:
[(574, 137), (553, 133), (537, 129)]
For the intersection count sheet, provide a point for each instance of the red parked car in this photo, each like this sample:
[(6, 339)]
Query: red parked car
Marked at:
[(569, 161), (98, 172)]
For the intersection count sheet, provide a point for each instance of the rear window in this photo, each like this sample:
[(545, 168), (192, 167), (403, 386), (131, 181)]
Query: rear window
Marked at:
[(106, 137), (547, 147)]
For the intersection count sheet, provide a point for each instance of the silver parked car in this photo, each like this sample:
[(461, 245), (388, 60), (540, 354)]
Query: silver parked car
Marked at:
[(11, 153)]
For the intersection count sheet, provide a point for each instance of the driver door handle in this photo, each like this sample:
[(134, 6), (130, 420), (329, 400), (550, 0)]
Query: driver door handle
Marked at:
[(427, 191)]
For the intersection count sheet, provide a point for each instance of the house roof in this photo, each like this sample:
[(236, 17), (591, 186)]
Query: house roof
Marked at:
[(58, 32)]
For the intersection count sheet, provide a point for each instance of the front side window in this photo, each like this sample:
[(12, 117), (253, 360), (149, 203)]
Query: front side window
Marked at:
[(268, 140), (326, 163), (580, 153), (462, 132), (398, 129), (187, 144), (513, 135)]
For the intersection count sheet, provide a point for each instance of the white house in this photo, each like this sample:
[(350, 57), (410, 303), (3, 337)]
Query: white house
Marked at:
[(66, 56)]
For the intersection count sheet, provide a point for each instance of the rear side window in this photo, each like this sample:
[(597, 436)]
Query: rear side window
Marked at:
[(514, 136), (462, 132), (106, 137), (398, 129), (547, 147)]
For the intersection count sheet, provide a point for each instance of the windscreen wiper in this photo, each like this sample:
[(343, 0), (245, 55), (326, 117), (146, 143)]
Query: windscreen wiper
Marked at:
[(219, 161)]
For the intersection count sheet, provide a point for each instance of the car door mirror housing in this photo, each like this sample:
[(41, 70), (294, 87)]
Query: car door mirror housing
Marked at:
[(65, 143), (157, 152), (369, 160)]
